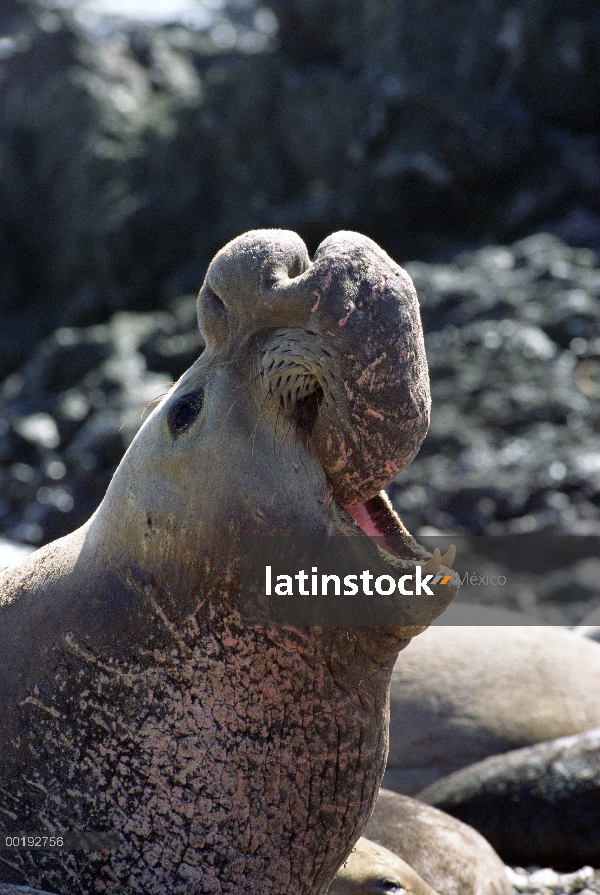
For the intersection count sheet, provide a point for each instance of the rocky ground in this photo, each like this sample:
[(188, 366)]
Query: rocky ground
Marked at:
[(544, 881), (513, 342), (68, 415), (129, 155)]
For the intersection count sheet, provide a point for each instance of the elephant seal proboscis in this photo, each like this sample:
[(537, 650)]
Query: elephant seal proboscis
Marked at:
[(230, 759), (462, 693), (372, 869), (450, 855)]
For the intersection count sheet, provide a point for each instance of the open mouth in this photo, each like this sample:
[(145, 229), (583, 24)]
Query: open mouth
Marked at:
[(378, 519)]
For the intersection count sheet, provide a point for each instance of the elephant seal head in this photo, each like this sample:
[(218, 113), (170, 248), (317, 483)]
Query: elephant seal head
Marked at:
[(345, 343), (229, 758), (372, 869)]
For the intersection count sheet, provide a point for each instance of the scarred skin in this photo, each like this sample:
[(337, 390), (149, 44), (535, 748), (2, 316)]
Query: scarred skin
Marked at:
[(231, 759)]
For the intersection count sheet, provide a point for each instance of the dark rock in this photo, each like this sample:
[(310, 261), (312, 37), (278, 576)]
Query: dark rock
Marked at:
[(126, 161), (543, 54), (68, 416), (538, 805), (513, 344), (168, 349), (96, 211)]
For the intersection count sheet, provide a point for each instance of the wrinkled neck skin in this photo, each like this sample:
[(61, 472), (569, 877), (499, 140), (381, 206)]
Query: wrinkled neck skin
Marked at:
[(230, 759)]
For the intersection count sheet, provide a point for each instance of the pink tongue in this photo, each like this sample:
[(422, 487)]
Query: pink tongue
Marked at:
[(361, 517)]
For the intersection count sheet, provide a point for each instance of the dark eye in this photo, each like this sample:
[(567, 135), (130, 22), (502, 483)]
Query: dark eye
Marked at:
[(185, 411), (184, 415)]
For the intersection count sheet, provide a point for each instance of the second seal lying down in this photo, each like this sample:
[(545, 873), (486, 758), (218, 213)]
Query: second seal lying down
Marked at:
[(230, 759)]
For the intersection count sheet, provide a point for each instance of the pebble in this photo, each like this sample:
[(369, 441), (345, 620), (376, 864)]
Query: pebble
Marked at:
[(544, 881)]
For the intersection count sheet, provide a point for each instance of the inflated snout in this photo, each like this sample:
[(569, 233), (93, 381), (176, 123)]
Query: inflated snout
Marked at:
[(346, 338)]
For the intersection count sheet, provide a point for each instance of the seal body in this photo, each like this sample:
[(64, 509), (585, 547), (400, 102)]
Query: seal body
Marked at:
[(450, 855), (230, 759), (372, 869), (538, 805), (200, 741), (463, 693)]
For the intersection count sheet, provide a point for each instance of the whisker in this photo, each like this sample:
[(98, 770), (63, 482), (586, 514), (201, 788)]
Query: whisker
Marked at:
[(143, 410), (289, 429), (229, 411), (264, 403)]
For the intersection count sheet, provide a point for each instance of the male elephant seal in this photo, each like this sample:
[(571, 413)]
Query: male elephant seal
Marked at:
[(230, 759), (463, 693), (451, 856), (373, 870)]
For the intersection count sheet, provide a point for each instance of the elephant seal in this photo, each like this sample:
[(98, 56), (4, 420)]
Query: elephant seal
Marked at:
[(461, 694), (538, 805), (451, 856), (230, 759), (372, 869)]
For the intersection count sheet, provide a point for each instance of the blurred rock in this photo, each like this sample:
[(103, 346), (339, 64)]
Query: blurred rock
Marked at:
[(8, 889), (68, 415), (101, 197), (544, 54), (545, 881), (129, 155), (513, 344), (589, 626)]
